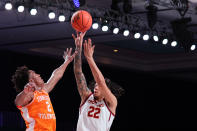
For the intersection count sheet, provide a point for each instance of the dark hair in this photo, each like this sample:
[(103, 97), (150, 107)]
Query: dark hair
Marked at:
[(116, 89), (20, 78)]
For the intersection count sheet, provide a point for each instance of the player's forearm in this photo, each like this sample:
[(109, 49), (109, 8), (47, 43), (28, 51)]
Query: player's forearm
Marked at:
[(19, 98), (77, 62), (55, 77), (81, 82), (98, 76), (80, 78), (58, 73)]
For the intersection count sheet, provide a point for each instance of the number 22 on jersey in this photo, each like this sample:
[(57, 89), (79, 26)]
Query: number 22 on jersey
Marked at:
[(94, 112)]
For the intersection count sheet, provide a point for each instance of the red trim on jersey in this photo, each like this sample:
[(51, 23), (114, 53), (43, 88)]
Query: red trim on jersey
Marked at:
[(84, 101), (109, 116), (108, 108), (19, 106)]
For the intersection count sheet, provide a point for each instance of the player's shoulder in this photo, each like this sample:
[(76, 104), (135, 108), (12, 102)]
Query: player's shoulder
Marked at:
[(88, 97)]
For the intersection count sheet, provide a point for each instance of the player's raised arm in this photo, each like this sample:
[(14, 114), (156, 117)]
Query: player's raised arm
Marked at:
[(24, 97), (79, 76), (98, 76), (58, 73)]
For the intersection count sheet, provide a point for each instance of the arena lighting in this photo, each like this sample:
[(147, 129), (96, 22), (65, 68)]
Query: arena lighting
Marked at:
[(21, 8), (183, 36), (165, 41), (33, 11), (126, 32), (95, 25), (105, 25), (116, 30), (105, 28), (155, 38), (146, 37), (79, 3), (8, 5), (193, 47), (51, 15), (137, 35), (61, 17), (173, 43)]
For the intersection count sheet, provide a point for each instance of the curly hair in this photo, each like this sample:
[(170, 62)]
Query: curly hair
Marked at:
[(116, 89), (20, 78)]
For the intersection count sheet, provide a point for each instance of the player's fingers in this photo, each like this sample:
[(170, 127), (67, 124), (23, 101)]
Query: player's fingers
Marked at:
[(77, 34), (89, 42), (73, 36), (74, 54), (83, 33), (64, 56), (93, 47), (66, 50), (64, 53), (70, 50), (84, 45)]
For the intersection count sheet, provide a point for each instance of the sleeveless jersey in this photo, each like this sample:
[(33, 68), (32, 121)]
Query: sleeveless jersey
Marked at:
[(94, 116), (39, 114)]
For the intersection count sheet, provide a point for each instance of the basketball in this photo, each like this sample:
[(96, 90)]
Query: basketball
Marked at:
[(81, 20)]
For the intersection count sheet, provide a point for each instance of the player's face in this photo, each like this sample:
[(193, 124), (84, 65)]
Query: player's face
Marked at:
[(97, 92), (36, 78)]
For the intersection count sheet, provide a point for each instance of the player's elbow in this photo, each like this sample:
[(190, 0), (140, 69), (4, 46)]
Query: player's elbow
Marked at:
[(16, 101)]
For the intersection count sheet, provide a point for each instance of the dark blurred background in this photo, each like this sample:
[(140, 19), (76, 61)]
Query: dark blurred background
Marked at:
[(151, 102), (159, 78)]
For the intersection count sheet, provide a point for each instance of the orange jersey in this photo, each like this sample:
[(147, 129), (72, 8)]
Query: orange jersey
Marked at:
[(39, 114)]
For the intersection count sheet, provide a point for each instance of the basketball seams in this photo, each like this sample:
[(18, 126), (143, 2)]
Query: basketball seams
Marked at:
[(82, 18), (85, 26), (82, 22), (88, 21), (76, 23)]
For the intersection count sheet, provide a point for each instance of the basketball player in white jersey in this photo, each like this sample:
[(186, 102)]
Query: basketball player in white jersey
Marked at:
[(97, 109)]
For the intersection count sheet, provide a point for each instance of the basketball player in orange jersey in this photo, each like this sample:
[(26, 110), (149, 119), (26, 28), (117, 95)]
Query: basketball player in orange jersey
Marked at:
[(97, 109), (33, 100)]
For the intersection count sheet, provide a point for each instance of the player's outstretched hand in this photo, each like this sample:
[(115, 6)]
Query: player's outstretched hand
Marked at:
[(88, 48), (78, 39), (67, 55)]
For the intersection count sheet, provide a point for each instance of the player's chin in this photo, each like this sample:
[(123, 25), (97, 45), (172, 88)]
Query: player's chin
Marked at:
[(96, 94)]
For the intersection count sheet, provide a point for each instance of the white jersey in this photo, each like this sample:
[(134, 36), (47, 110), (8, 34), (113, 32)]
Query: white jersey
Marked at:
[(94, 116)]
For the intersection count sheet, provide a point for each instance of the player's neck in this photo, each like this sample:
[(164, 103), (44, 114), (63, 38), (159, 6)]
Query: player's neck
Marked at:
[(98, 99), (38, 88)]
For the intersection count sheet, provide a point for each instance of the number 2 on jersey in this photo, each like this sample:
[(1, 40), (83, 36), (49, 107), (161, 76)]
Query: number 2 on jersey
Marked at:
[(94, 112), (48, 107)]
